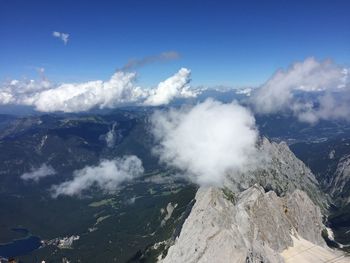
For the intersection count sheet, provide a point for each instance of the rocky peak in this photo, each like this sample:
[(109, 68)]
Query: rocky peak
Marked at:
[(255, 226), (257, 215), (278, 169)]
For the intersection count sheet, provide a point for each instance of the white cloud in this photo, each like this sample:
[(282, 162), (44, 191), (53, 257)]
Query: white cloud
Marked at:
[(118, 89), (63, 36), (107, 176), (22, 92), (207, 141), (322, 80), (111, 136), (76, 97), (39, 173), (176, 86)]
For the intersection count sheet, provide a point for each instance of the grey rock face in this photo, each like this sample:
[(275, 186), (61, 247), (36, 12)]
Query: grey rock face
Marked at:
[(254, 228), (255, 215), (305, 217), (281, 171), (340, 184)]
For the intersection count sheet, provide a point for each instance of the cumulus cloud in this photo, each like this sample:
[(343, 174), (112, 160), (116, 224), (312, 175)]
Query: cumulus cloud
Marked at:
[(106, 176), (309, 89), (120, 89), (176, 86), (164, 56), (37, 174), (206, 141), (63, 36), (22, 91), (70, 97)]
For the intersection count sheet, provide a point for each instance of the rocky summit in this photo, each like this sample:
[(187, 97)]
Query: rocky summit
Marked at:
[(255, 226), (271, 220)]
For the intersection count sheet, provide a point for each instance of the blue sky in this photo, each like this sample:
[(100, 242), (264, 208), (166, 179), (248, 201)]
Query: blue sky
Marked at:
[(232, 43)]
